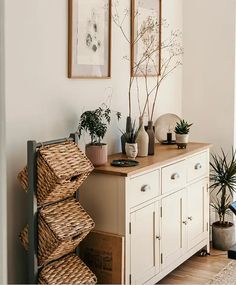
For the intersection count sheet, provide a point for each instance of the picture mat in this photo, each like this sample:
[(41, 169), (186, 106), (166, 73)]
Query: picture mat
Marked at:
[(144, 9), (76, 70)]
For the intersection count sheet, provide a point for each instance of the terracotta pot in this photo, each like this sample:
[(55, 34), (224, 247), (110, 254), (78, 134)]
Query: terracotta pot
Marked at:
[(97, 154), (223, 237), (182, 140), (131, 150)]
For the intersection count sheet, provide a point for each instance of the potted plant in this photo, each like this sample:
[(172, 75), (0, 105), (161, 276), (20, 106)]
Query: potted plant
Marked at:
[(223, 178), (131, 146), (95, 123), (182, 133)]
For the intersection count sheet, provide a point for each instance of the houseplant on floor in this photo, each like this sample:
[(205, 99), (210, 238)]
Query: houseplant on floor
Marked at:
[(95, 123), (223, 178), (182, 133)]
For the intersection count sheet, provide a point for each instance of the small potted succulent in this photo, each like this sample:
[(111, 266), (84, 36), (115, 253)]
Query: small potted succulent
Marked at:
[(95, 123), (182, 133), (223, 186), (131, 146)]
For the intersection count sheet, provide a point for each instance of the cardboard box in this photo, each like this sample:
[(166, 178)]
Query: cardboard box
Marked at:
[(104, 255)]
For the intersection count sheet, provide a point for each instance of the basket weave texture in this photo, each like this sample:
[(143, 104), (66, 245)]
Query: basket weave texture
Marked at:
[(61, 169), (61, 227), (67, 270)]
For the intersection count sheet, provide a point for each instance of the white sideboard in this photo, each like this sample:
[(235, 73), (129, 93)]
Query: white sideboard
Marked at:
[(161, 207)]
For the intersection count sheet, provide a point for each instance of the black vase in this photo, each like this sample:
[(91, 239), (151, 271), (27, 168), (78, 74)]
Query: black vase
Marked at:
[(127, 130)]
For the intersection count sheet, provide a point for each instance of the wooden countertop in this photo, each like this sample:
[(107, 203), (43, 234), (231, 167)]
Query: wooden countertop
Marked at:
[(164, 154)]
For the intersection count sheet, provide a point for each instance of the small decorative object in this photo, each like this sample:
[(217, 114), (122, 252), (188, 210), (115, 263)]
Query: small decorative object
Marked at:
[(151, 138), (131, 150), (131, 146), (182, 133), (223, 178), (128, 130), (89, 39), (165, 128), (95, 123), (169, 137), (124, 163), (142, 140)]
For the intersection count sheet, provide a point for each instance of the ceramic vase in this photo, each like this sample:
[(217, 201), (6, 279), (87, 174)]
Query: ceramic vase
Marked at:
[(142, 140), (182, 140), (128, 130), (131, 150), (97, 154), (151, 138)]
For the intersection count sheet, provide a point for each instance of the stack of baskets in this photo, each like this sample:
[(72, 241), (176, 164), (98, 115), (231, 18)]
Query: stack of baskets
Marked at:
[(62, 222)]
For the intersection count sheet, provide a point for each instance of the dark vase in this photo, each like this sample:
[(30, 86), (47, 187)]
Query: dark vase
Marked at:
[(127, 130), (151, 135)]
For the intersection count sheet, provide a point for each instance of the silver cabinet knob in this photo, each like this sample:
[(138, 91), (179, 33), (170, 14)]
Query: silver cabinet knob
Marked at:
[(145, 188), (175, 176), (185, 223), (158, 237), (197, 166), (190, 218)]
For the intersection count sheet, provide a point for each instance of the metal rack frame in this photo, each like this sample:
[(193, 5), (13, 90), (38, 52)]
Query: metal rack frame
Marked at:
[(33, 208)]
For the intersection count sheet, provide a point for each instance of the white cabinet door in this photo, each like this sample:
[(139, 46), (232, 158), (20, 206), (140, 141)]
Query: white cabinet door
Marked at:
[(197, 212), (144, 243), (174, 227)]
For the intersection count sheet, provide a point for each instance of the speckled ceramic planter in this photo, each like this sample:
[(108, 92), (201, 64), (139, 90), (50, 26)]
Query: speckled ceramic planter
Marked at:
[(223, 237)]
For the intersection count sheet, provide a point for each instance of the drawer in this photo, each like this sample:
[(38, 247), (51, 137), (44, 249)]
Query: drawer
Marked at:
[(143, 188), (197, 166), (173, 177)]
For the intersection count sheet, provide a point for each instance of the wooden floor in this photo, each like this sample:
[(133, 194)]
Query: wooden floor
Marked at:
[(197, 270)]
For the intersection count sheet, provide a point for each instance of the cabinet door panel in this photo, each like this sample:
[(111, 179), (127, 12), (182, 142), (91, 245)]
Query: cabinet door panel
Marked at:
[(196, 212), (144, 245), (173, 237)]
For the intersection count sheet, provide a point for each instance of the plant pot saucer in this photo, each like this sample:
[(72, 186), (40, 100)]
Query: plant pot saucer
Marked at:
[(168, 142)]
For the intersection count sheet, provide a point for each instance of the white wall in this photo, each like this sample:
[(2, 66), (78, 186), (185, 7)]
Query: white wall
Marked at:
[(42, 104), (3, 192), (209, 70)]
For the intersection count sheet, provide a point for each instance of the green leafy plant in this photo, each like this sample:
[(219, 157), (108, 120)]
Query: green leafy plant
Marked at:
[(223, 178), (182, 127), (95, 123), (131, 136)]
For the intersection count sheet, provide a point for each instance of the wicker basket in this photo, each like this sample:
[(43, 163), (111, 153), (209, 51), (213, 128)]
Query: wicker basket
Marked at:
[(62, 226), (61, 169), (67, 270)]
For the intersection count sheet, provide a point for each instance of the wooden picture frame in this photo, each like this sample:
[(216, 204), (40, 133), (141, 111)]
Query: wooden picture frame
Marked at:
[(89, 39), (141, 10)]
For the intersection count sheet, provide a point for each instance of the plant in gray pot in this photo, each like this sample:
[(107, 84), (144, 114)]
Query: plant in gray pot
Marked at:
[(95, 123), (182, 133), (223, 178)]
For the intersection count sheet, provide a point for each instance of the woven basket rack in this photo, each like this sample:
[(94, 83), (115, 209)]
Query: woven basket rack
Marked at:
[(67, 270), (61, 227), (61, 169)]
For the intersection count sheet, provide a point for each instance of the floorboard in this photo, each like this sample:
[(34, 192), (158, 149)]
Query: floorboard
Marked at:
[(197, 269)]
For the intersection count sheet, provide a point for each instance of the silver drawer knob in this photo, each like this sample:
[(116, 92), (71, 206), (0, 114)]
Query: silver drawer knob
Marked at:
[(190, 218), (175, 176), (197, 166), (185, 223), (158, 237), (145, 188)]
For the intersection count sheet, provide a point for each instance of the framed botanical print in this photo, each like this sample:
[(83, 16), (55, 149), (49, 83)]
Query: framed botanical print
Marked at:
[(145, 37), (89, 39)]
